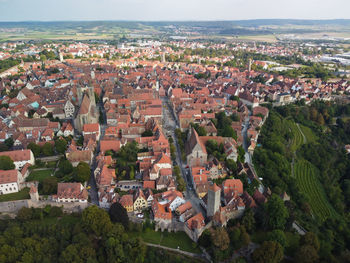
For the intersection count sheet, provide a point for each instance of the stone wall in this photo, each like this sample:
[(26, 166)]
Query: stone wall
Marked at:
[(14, 206)]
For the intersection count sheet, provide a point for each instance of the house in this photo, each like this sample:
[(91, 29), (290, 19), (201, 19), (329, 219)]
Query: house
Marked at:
[(195, 226), (69, 109), (20, 157), (173, 199), (232, 186), (76, 156), (71, 192), (106, 145), (47, 135), (66, 130), (10, 181), (92, 129), (127, 202), (106, 197), (161, 215), (140, 201), (106, 177)]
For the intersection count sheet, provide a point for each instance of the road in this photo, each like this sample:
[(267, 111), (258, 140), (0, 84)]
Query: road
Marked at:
[(247, 156), (93, 191), (169, 126)]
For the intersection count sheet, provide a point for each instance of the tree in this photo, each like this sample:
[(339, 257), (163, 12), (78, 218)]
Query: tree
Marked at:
[(49, 185), (231, 165), (96, 221), (118, 214), (276, 213), (306, 254), (241, 154), (24, 214), (277, 236), (310, 239), (47, 149), (268, 252), (248, 220), (61, 146), (36, 149), (65, 167), (9, 142), (220, 238), (6, 163), (82, 172), (147, 133)]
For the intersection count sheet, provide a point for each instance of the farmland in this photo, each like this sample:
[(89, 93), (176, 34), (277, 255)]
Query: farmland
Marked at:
[(308, 182)]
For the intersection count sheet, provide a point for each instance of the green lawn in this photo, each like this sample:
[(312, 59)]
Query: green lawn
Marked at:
[(23, 194), (39, 175), (309, 184), (310, 136), (172, 240)]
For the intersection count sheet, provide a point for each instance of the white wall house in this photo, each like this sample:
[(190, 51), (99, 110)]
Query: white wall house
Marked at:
[(10, 181)]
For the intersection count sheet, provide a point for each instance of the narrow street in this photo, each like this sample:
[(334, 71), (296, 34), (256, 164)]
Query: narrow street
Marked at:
[(92, 182), (169, 125)]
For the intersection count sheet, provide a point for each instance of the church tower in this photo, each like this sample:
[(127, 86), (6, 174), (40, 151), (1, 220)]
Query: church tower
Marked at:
[(79, 94), (213, 204), (91, 94)]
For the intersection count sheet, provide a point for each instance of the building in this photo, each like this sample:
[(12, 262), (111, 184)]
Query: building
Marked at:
[(20, 157), (71, 192), (127, 202), (196, 151), (69, 109), (10, 181), (140, 201), (87, 112), (214, 195), (92, 129)]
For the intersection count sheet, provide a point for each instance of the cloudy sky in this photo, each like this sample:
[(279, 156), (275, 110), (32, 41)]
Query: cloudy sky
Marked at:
[(155, 10)]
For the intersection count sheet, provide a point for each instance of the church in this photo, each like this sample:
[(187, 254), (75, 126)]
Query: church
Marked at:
[(88, 112)]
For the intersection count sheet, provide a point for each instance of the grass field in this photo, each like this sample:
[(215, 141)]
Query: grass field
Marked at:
[(23, 194), (39, 175), (172, 240), (310, 136), (309, 184)]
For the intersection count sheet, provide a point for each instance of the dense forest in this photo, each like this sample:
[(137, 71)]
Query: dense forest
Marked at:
[(302, 152), (48, 235)]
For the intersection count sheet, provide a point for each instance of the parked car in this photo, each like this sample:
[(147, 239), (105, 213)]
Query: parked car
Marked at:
[(140, 215)]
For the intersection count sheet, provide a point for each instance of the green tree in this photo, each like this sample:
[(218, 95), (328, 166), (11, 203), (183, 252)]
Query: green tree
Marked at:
[(276, 213), (96, 221), (25, 214), (268, 252), (61, 146), (6, 163), (36, 149), (9, 142), (49, 185), (147, 133), (306, 254), (82, 172), (47, 149), (310, 239), (65, 167), (220, 238), (277, 236), (248, 220), (118, 214)]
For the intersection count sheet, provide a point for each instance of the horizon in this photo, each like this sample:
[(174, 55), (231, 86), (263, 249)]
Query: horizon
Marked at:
[(166, 10), (170, 21)]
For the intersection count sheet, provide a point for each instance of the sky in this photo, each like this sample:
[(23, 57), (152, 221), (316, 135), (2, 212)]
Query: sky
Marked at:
[(171, 10)]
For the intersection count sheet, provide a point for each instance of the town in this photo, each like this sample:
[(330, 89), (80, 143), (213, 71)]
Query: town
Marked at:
[(167, 130)]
